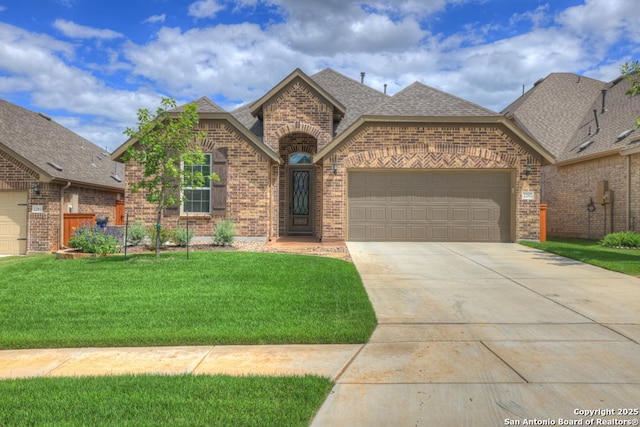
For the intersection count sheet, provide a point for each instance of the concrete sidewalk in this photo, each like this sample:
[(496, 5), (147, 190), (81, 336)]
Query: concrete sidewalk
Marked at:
[(323, 360), (489, 335)]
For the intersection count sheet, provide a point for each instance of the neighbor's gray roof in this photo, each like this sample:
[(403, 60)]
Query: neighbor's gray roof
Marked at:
[(551, 111), (421, 100), (37, 140), (621, 111)]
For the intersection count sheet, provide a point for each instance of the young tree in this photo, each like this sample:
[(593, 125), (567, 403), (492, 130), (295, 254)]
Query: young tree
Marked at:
[(631, 71), (166, 146)]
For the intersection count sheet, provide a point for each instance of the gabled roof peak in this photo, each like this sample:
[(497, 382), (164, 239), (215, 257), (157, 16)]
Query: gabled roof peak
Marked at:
[(419, 99), (298, 74), (205, 105)]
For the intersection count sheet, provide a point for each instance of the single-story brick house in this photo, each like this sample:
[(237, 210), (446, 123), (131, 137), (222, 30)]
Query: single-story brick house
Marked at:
[(46, 171), (593, 186), (328, 156)]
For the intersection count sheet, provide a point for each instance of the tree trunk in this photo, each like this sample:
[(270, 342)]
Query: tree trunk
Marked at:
[(158, 228)]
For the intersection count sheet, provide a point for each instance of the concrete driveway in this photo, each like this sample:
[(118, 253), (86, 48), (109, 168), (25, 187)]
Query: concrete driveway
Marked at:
[(490, 335)]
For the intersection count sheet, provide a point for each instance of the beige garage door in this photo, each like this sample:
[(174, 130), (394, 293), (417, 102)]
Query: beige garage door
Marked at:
[(429, 206), (13, 222)]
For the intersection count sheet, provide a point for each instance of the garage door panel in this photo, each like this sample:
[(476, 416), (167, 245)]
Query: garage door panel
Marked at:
[(13, 222), (377, 197), (439, 214), (398, 233), (481, 214), (418, 233), (481, 234), (418, 214), (398, 214), (377, 232), (459, 233), (440, 233), (459, 215), (398, 197), (429, 205), (378, 214)]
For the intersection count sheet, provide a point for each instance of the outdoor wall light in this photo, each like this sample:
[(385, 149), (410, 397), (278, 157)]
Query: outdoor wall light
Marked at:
[(527, 170), (36, 188), (335, 168)]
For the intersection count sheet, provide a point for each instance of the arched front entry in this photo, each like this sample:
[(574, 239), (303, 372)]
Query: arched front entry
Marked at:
[(298, 189)]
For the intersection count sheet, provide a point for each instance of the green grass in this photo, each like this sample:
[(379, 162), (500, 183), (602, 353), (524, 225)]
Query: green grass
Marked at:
[(625, 261), (162, 401), (213, 298)]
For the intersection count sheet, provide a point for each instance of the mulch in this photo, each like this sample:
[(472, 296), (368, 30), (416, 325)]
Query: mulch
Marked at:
[(337, 251)]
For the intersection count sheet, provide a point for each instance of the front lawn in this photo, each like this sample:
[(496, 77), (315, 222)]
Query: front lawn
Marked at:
[(162, 401), (625, 261), (213, 298)]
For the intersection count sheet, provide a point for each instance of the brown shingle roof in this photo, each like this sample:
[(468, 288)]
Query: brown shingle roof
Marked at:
[(552, 110), (359, 99), (41, 142), (621, 111), (422, 100)]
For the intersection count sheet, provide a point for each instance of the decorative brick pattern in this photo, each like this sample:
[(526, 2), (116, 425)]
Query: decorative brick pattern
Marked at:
[(297, 109), (14, 175), (567, 190), (431, 147)]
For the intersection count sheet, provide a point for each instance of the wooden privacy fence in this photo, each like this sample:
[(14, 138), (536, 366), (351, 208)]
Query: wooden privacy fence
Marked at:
[(72, 221)]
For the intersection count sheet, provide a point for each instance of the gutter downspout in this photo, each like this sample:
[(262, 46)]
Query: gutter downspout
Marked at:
[(61, 237), (628, 193)]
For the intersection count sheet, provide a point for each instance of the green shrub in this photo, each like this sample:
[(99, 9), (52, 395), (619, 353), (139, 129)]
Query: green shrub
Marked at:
[(224, 232), (94, 240), (625, 239), (181, 237), (136, 233), (166, 235)]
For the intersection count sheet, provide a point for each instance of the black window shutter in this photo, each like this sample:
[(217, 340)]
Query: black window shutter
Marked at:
[(219, 188)]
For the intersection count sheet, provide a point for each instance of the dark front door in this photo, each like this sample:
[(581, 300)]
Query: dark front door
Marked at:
[(300, 201)]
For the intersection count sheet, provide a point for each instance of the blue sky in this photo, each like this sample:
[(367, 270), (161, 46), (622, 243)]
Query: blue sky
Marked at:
[(92, 64)]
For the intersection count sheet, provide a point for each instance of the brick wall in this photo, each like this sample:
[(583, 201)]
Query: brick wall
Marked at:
[(568, 189), (431, 147), (43, 228), (297, 109), (249, 184)]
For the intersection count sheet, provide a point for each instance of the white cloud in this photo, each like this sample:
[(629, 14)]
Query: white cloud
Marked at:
[(153, 19), (240, 64), (75, 31), (603, 22), (386, 39), (2, 8), (204, 9)]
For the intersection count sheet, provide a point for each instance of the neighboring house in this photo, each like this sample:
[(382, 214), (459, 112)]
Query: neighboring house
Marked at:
[(328, 156), (46, 171), (593, 186)]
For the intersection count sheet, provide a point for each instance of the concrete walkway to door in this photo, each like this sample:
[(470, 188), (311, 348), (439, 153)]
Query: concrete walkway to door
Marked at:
[(490, 335)]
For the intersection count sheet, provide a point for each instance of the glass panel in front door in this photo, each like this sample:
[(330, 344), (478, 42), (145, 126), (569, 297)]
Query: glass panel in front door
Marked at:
[(300, 192)]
